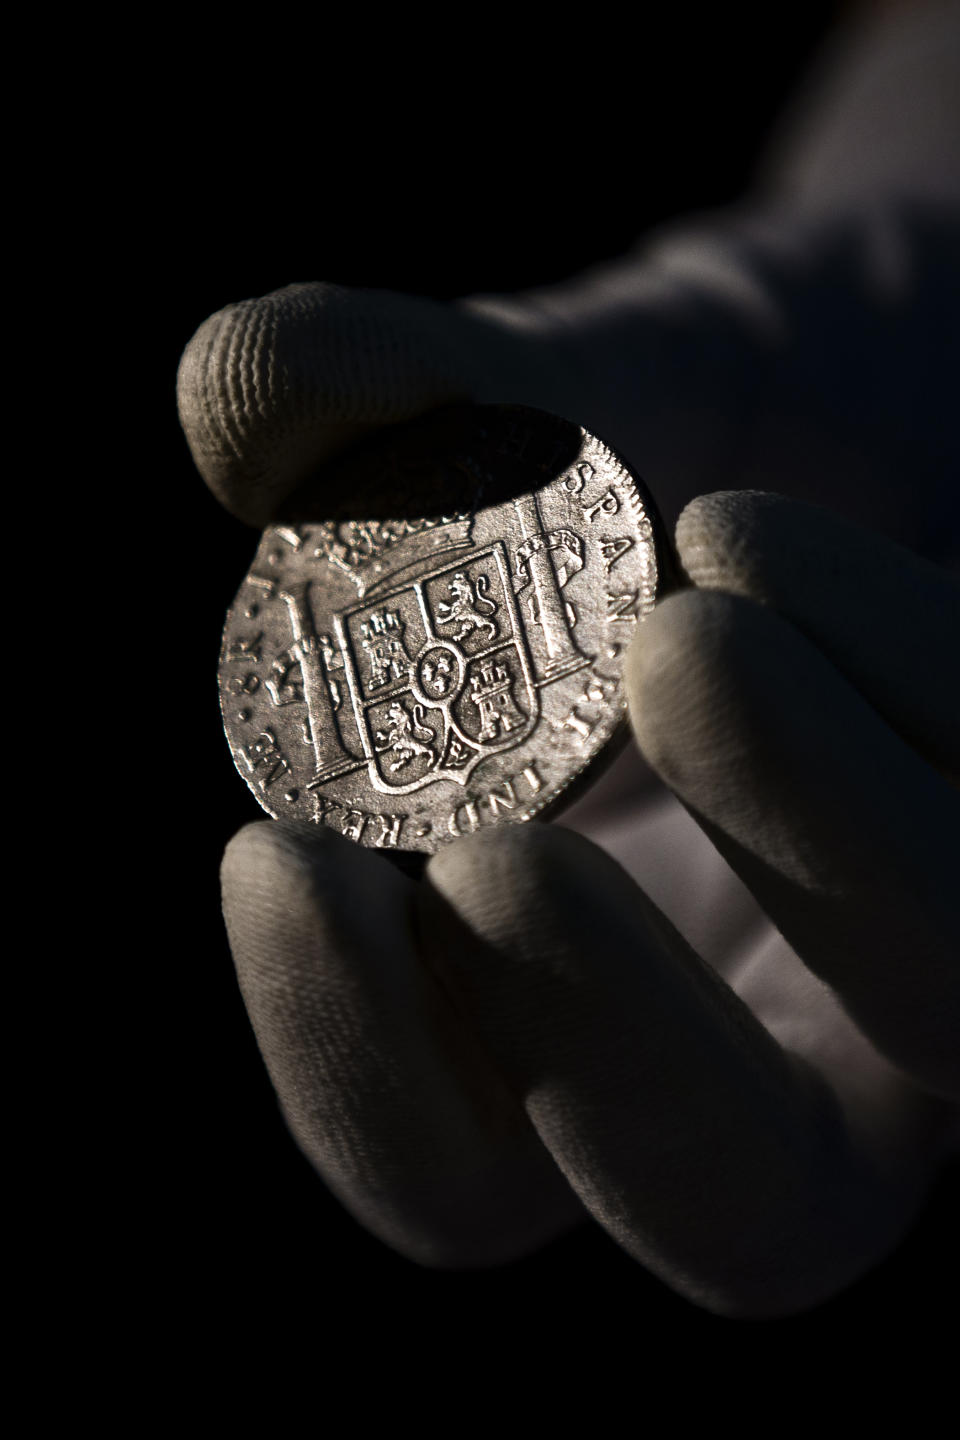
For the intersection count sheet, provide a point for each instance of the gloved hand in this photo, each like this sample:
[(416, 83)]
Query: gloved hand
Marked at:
[(476, 1061), (271, 388)]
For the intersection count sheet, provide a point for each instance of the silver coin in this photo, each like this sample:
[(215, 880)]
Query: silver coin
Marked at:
[(455, 659)]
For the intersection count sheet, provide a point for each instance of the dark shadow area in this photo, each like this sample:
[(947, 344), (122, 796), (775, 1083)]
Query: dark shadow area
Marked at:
[(447, 463)]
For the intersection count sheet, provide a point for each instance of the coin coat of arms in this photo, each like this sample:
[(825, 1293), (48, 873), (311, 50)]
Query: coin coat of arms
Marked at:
[(438, 673), (407, 679)]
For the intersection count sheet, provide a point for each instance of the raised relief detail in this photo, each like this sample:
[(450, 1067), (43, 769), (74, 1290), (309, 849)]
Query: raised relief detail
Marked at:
[(597, 691), (613, 550), (407, 736), (608, 504), (457, 754), (438, 670), (470, 607), (382, 831), (266, 584), (385, 650), (245, 647), (491, 690), (292, 535), (506, 796), (450, 701), (244, 684), (580, 725), (574, 481), (362, 548), (285, 686), (545, 562), (597, 688), (264, 759), (622, 607), (316, 659)]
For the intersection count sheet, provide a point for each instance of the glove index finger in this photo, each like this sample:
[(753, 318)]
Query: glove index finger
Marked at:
[(843, 834), (887, 618)]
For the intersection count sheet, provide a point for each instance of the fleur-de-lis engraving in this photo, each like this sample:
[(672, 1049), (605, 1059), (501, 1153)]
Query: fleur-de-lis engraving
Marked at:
[(437, 675)]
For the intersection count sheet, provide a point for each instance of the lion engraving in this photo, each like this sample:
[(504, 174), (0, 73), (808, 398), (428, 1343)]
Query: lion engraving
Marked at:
[(407, 736), (469, 609)]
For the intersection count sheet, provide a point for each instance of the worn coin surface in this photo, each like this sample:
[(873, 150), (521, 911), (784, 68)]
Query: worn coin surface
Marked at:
[(431, 639)]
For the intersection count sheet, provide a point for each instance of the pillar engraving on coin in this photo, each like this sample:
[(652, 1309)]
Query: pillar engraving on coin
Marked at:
[(454, 660)]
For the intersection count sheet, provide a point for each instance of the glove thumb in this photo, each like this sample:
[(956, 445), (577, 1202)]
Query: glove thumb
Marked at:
[(269, 389)]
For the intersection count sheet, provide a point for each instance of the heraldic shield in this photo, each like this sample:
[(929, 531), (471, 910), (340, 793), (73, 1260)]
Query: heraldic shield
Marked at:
[(439, 673)]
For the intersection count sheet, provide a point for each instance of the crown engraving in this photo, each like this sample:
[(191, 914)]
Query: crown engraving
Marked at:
[(369, 550)]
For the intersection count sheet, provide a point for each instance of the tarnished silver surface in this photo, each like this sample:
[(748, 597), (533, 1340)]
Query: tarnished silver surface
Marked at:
[(406, 679)]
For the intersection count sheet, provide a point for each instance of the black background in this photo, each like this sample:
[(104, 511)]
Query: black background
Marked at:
[(475, 185)]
